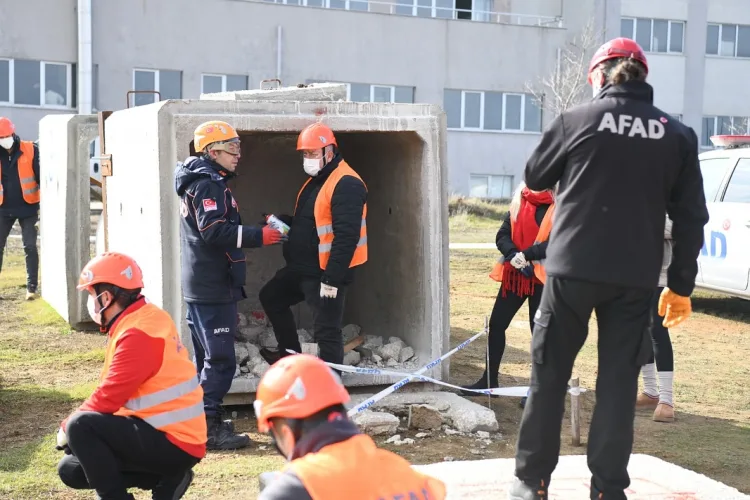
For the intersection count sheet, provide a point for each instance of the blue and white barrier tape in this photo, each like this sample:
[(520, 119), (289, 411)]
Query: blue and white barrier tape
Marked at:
[(498, 391)]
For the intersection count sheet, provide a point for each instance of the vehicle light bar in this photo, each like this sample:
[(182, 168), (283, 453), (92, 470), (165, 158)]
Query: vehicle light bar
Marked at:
[(730, 141)]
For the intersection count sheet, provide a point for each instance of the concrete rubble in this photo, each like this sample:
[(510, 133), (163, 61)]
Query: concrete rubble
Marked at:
[(421, 410), (255, 332)]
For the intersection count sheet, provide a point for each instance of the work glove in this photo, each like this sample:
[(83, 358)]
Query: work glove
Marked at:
[(528, 271), (519, 261), (272, 236), (675, 308), (328, 291), (62, 441)]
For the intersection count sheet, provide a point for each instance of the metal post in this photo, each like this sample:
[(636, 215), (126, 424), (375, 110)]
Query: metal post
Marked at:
[(575, 412)]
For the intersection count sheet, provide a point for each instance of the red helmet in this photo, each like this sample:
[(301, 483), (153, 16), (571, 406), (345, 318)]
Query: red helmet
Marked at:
[(618, 47), (6, 127)]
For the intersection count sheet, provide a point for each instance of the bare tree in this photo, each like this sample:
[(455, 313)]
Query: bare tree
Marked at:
[(566, 85)]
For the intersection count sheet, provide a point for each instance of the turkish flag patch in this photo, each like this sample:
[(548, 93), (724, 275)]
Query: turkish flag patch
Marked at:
[(209, 204)]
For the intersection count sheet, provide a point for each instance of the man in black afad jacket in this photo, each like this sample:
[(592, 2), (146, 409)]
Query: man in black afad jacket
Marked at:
[(213, 267), (327, 240), (19, 198), (621, 164)]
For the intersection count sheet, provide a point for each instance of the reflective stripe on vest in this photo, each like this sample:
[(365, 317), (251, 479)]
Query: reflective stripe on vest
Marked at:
[(172, 399), (163, 396), (335, 471), (324, 217), (25, 166)]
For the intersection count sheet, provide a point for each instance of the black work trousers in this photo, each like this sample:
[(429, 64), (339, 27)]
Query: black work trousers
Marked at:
[(503, 312), (28, 237), (288, 288), (560, 330), (111, 454)]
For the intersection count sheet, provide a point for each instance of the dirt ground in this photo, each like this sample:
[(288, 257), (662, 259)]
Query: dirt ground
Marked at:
[(47, 369)]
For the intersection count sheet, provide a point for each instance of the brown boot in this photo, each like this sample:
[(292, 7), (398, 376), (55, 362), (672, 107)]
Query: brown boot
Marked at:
[(664, 413), (645, 401)]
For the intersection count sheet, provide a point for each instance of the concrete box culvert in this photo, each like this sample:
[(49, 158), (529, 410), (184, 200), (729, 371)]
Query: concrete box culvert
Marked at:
[(64, 211), (398, 149)]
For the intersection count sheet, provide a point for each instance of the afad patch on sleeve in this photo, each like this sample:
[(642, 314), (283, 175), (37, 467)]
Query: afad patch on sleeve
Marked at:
[(209, 204)]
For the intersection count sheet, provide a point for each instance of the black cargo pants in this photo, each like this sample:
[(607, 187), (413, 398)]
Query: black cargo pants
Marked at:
[(560, 330)]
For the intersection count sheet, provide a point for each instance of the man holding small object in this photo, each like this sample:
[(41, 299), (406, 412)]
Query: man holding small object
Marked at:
[(327, 240)]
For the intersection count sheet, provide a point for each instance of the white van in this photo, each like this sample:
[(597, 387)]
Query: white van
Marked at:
[(724, 261)]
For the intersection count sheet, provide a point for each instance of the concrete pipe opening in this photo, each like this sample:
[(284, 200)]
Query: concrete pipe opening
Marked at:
[(387, 297)]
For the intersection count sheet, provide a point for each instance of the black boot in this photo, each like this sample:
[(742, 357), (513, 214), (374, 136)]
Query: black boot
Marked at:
[(481, 384), (172, 487), (524, 491), (222, 437), (270, 356)]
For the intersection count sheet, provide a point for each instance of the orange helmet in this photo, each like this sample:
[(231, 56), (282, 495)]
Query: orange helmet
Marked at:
[(315, 136), (6, 127), (213, 131), (114, 268), (297, 387)]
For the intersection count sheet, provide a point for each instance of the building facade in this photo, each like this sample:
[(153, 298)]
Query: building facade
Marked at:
[(479, 59)]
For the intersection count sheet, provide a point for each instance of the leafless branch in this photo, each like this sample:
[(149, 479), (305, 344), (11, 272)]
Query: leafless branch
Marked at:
[(566, 85)]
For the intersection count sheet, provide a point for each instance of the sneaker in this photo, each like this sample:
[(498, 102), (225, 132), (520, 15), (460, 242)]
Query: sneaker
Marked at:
[(524, 491), (646, 401), (172, 487), (30, 295), (222, 437), (664, 413)]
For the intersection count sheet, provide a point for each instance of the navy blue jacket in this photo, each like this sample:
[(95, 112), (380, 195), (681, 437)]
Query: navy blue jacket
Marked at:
[(13, 203), (211, 235)]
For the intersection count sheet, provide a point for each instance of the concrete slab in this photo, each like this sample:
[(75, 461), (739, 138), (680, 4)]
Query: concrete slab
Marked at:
[(311, 92), (650, 478), (458, 412), (398, 149), (65, 221)]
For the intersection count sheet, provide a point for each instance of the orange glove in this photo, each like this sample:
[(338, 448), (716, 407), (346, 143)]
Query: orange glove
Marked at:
[(271, 236), (675, 308)]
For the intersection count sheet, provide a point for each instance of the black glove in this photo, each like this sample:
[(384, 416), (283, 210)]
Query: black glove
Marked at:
[(510, 255), (528, 271), (65, 449), (286, 219)]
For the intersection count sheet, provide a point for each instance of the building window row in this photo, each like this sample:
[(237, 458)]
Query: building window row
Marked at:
[(37, 83), (491, 186), (655, 35), (728, 40), (723, 125), (211, 83), (474, 10), (492, 111)]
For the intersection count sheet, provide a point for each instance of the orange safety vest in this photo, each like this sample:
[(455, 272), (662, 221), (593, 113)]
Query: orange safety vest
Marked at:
[(29, 185), (324, 217), (172, 400), (336, 472), (541, 237)]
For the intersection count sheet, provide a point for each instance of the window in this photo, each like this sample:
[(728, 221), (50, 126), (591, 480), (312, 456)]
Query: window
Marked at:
[(728, 40), (168, 83), (738, 189), (723, 125), (360, 5), (654, 35), (442, 9), (363, 92), (494, 111), (713, 171), (222, 83), (491, 186), (37, 83)]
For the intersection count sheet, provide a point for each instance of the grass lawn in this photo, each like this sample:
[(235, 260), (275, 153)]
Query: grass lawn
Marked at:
[(47, 369)]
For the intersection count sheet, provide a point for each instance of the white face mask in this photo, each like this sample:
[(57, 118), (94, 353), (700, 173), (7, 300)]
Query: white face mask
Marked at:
[(595, 89), (91, 306), (311, 166), (7, 142)]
